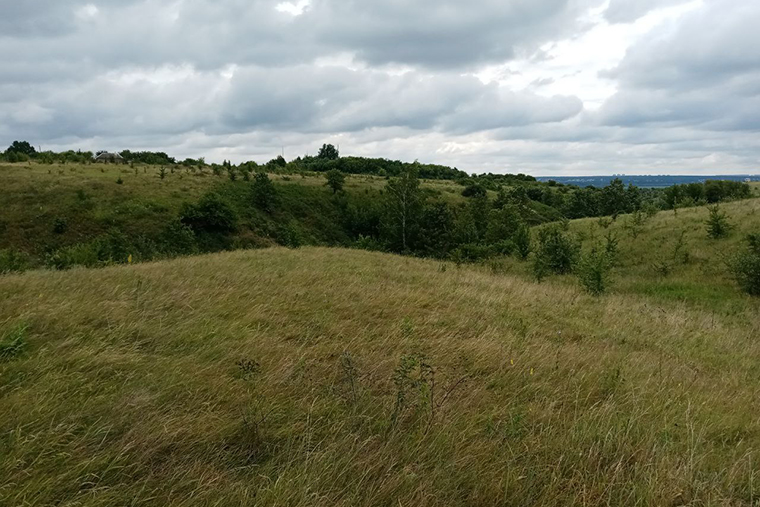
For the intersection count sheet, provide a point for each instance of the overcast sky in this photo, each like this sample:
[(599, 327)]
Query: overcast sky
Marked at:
[(547, 87)]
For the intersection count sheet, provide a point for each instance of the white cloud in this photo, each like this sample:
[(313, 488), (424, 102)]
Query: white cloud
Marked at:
[(544, 86)]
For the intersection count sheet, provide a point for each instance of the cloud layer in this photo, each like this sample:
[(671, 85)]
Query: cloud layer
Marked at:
[(242, 79)]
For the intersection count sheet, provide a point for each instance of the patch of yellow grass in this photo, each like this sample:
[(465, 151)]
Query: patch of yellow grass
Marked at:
[(271, 378)]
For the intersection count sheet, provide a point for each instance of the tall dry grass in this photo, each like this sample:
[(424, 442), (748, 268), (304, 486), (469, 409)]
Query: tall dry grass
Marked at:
[(274, 378)]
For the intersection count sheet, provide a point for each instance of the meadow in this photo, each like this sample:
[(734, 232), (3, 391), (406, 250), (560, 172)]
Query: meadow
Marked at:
[(339, 376)]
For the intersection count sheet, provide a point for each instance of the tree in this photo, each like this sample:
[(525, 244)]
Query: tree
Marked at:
[(521, 239), (745, 266), (436, 228), (717, 224), (335, 180), (328, 152), (403, 206), (615, 198), (21, 147), (264, 193), (593, 271)]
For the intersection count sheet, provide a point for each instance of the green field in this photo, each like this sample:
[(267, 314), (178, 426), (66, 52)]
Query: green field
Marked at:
[(336, 376)]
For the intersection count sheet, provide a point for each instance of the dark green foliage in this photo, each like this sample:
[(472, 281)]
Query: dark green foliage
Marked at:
[(711, 191), (474, 190), (177, 239), (290, 235), (402, 211), (21, 148), (60, 225), (335, 180), (114, 247), (148, 157), (479, 209), (593, 271), (328, 152), (119, 181), (263, 192), (745, 266), (13, 261), (436, 230), (212, 214), (555, 253), (522, 242), (611, 247), (472, 252), (162, 172), (503, 224), (717, 223), (277, 163), (13, 343)]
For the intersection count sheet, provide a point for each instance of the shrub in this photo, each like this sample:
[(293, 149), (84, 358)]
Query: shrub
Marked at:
[(555, 253), (212, 214), (474, 190), (60, 225), (650, 209), (472, 252), (82, 254), (605, 222), (13, 261), (521, 240), (290, 235), (264, 193), (593, 271), (717, 223), (635, 224), (119, 181), (745, 266), (178, 239)]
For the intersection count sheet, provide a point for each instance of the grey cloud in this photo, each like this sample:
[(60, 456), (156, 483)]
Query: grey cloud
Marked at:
[(701, 73), (627, 11), (210, 34)]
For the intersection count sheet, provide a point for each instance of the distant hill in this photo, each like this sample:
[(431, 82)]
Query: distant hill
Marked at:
[(656, 181)]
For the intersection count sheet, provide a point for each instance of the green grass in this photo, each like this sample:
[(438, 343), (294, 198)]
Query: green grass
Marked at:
[(327, 376), (87, 199), (273, 377)]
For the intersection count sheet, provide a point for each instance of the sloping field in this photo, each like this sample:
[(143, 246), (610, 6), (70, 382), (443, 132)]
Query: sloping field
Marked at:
[(340, 377)]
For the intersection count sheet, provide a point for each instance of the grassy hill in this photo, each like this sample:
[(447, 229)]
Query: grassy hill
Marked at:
[(47, 208), (325, 376), (333, 376), (669, 257)]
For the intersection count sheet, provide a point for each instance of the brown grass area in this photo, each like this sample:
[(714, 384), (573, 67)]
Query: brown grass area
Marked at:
[(273, 378)]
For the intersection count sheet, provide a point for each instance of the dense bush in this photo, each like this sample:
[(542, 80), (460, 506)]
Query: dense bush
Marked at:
[(264, 194), (745, 266), (212, 214), (555, 253), (13, 261)]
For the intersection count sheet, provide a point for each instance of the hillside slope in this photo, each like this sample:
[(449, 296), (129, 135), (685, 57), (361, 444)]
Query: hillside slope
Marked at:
[(341, 377)]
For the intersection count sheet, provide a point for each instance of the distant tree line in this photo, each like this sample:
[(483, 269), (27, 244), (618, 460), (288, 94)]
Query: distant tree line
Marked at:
[(547, 201)]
